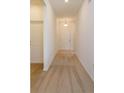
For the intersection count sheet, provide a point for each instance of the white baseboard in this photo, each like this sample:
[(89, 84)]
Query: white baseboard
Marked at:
[(92, 78)]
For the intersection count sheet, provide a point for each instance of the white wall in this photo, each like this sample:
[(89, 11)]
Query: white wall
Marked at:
[(85, 37), (36, 32), (49, 35), (36, 38)]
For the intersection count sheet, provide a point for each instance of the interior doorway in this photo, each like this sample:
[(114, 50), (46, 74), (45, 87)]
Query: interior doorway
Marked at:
[(66, 34), (36, 31)]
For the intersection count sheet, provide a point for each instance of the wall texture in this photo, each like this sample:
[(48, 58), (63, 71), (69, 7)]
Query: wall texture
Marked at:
[(49, 35), (85, 37)]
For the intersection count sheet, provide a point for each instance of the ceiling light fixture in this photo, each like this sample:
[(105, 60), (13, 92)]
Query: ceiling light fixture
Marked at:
[(66, 25), (66, 22), (66, 1)]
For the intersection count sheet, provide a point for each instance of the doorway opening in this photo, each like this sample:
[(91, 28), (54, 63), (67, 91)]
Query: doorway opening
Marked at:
[(37, 8), (66, 34)]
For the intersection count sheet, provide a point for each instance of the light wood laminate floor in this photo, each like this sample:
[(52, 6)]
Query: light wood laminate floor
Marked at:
[(66, 75)]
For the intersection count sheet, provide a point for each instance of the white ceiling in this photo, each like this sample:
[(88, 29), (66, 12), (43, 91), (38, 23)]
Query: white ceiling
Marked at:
[(66, 9)]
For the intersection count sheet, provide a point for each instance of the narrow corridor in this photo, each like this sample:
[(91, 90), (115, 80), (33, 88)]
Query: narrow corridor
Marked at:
[(66, 75)]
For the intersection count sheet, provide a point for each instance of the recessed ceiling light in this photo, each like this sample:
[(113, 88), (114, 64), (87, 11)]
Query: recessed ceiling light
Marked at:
[(66, 1)]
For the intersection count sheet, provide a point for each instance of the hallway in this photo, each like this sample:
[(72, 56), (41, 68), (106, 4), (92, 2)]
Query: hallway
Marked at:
[(65, 75)]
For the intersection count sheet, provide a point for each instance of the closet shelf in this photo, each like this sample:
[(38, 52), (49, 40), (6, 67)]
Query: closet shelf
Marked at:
[(36, 22)]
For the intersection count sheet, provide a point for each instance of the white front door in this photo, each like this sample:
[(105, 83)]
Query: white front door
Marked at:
[(67, 40), (66, 36)]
